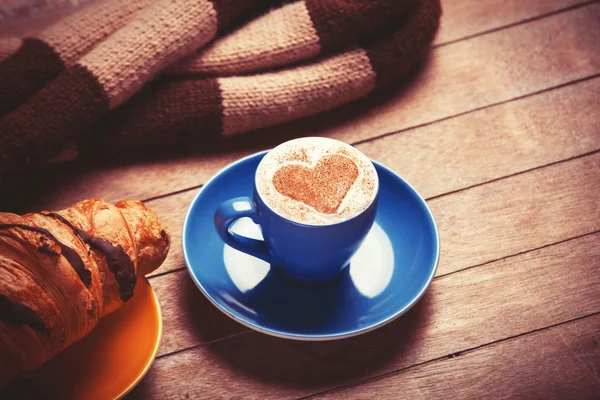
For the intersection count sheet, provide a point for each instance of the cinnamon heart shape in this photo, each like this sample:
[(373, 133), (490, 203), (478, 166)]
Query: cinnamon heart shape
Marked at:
[(322, 187)]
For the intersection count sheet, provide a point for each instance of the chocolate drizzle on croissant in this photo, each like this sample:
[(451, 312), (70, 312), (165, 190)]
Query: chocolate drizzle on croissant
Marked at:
[(117, 259), (71, 255), (60, 272), (16, 313)]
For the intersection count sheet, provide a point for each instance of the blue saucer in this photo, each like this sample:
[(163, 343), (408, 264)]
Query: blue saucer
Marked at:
[(387, 276)]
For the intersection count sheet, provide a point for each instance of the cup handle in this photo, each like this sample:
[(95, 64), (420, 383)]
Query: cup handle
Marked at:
[(230, 211)]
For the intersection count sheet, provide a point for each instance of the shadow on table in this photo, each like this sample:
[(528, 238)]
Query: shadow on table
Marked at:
[(203, 321), (293, 368), (323, 365), (254, 359)]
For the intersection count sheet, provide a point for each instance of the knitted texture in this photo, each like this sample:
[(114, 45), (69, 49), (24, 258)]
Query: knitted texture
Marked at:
[(157, 36), (43, 57), (295, 32), (280, 37), (104, 89), (179, 112), (102, 78)]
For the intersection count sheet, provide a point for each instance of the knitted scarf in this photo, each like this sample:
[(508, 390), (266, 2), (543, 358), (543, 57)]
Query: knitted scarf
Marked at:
[(151, 74)]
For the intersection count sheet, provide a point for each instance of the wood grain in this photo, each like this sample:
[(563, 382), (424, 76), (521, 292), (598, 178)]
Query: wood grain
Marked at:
[(486, 70), (464, 18), (516, 214), (519, 213), (557, 363), (494, 142), (171, 212), (459, 312), (189, 319), (458, 78)]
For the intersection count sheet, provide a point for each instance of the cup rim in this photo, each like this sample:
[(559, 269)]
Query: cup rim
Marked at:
[(372, 204)]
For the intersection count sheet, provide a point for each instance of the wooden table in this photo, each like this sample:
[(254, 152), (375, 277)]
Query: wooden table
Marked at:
[(500, 131)]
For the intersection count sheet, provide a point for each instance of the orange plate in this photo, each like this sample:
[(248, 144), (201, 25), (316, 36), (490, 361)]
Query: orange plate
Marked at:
[(108, 362)]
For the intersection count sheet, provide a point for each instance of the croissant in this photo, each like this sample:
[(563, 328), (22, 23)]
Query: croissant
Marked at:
[(60, 272)]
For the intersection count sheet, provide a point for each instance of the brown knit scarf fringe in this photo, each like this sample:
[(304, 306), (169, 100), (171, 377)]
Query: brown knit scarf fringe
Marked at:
[(93, 70)]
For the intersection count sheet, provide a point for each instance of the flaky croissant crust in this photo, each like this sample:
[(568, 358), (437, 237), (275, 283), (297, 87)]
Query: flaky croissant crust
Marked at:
[(60, 272)]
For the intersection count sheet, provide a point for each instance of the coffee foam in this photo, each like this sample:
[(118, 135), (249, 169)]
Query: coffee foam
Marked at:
[(308, 153)]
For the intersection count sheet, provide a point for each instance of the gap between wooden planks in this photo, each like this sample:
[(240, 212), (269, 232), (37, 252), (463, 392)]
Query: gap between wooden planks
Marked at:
[(560, 362), (477, 226), (461, 311), (465, 151), (463, 19), (458, 78)]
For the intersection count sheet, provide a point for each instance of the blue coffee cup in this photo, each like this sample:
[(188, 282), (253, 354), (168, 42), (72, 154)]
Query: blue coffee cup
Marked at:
[(309, 254)]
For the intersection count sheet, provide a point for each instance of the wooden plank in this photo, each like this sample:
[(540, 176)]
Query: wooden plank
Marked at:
[(189, 318), (528, 211), (495, 142), (171, 212), (461, 311), (556, 363), (458, 78), (464, 18), (517, 214), (486, 70)]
